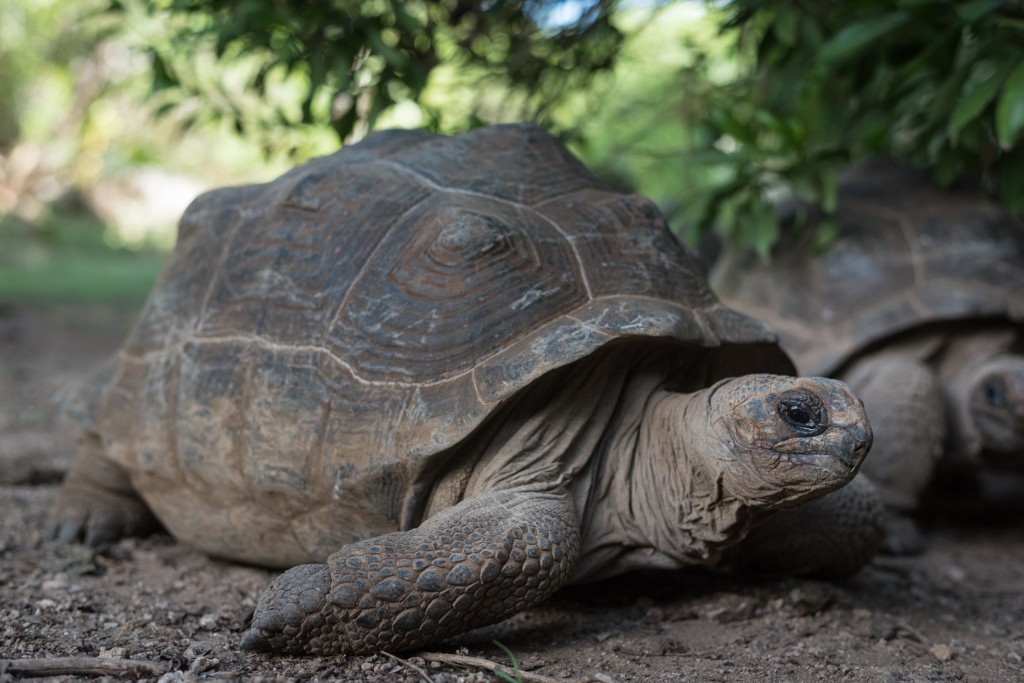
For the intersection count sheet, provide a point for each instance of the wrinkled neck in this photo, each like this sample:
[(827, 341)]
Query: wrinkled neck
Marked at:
[(661, 503), (680, 447)]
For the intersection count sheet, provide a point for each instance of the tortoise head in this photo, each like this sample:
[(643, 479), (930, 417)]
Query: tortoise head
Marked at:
[(787, 439), (995, 402)]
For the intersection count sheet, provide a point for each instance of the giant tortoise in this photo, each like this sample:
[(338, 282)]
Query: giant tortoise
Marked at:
[(439, 378), (919, 305)]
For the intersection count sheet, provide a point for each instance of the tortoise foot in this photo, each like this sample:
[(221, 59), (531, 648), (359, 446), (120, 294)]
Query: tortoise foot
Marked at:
[(95, 517), (472, 565), (97, 503), (830, 538), (902, 536), (289, 616)]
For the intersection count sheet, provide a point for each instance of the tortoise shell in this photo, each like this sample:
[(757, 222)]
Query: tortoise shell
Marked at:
[(907, 254), (321, 337)]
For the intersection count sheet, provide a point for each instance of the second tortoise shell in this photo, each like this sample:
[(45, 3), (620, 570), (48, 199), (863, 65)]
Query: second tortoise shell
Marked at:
[(907, 254)]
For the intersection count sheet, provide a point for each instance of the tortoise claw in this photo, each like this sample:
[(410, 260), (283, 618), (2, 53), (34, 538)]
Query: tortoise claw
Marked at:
[(289, 614), (254, 641), (95, 517), (97, 503)]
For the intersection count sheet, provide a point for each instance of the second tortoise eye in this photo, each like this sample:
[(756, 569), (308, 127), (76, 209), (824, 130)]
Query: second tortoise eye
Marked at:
[(994, 392), (803, 412)]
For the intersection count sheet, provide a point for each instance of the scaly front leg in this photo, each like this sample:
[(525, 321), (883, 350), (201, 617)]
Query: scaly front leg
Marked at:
[(471, 565)]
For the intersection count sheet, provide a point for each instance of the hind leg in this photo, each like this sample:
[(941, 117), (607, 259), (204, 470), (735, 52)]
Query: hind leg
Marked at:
[(97, 502), (903, 399), (831, 537)]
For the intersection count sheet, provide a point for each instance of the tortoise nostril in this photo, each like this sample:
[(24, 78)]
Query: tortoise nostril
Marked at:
[(860, 450)]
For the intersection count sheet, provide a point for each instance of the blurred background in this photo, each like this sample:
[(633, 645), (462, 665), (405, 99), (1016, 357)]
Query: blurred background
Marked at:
[(115, 114)]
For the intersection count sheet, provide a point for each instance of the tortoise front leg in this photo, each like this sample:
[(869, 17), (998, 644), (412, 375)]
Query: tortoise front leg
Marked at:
[(830, 537), (903, 399), (472, 565)]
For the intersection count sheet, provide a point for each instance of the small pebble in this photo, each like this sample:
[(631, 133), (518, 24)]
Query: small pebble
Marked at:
[(811, 598)]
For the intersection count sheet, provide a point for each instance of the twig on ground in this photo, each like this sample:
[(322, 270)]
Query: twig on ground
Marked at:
[(81, 666), (916, 635), (636, 653), (405, 662), (465, 660)]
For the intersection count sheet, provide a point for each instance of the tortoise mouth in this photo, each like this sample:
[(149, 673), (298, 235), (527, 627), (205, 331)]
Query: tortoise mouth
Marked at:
[(843, 460), (826, 461), (1000, 431)]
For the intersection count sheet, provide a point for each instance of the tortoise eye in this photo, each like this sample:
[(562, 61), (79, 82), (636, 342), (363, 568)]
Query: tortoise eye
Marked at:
[(994, 392), (803, 412)]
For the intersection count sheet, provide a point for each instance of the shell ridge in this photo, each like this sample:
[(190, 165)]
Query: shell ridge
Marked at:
[(517, 205), (363, 269), (217, 270), (424, 180), (580, 266), (246, 402), (172, 404), (178, 348)]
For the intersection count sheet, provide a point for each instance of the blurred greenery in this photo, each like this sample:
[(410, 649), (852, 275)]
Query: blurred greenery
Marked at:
[(115, 113), (939, 83), (67, 259), (270, 68)]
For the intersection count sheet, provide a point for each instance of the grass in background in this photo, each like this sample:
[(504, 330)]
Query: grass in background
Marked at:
[(66, 259)]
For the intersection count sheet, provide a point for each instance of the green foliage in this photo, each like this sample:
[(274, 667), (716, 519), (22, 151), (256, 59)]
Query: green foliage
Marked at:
[(34, 35), (715, 110), (271, 68), (67, 259), (939, 83)]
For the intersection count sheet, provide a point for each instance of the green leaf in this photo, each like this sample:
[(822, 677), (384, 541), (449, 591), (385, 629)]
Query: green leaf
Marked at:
[(784, 26), (947, 167), (972, 11), (761, 226), (1010, 109), (163, 76), (945, 98), (828, 188), (727, 123), (776, 125), (825, 234), (974, 100), (1010, 23), (518, 676), (856, 37), (1009, 178)]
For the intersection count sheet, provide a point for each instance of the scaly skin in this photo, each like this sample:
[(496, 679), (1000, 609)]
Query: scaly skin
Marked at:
[(829, 538), (904, 401), (903, 398), (475, 564)]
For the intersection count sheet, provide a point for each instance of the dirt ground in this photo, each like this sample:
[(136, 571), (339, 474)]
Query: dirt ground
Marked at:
[(151, 609)]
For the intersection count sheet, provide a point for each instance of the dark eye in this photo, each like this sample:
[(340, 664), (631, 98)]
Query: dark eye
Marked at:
[(994, 393), (803, 412)]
